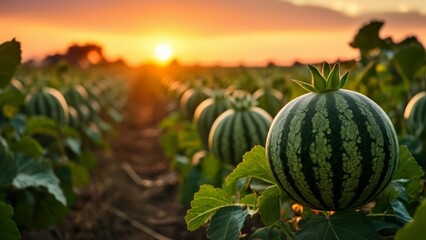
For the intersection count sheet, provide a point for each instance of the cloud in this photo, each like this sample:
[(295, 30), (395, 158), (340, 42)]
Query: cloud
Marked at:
[(191, 16)]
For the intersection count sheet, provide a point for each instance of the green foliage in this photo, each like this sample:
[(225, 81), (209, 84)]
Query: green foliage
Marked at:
[(414, 230), (207, 201), (253, 165), (269, 205), (345, 225), (8, 169), (10, 58), (36, 208), (227, 223), (8, 229), (36, 173)]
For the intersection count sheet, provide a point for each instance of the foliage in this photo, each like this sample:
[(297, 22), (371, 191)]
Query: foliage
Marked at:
[(42, 163)]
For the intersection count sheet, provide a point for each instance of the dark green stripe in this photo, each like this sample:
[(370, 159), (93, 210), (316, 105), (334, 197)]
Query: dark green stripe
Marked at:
[(283, 156), (364, 146), (307, 138), (384, 177), (335, 139), (246, 120), (229, 147)]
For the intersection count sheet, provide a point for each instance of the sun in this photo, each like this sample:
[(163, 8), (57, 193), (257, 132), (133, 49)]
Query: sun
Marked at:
[(163, 52)]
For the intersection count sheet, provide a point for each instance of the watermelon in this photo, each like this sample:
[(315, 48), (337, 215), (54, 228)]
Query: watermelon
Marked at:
[(75, 95), (269, 99), (73, 118), (415, 115), (332, 149), (207, 112), (190, 100), (238, 129), (48, 102)]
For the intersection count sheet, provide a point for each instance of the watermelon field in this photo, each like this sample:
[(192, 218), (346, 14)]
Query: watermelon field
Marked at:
[(319, 150)]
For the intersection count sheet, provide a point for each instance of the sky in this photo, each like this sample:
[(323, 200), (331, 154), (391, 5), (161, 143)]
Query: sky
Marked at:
[(206, 32)]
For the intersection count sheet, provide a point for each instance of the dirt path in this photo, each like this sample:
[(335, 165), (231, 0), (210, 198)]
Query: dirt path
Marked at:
[(132, 193)]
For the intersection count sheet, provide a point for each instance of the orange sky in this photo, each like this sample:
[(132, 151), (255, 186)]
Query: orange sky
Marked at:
[(199, 31)]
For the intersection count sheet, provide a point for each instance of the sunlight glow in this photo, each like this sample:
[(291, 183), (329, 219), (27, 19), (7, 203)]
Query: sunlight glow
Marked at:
[(163, 52)]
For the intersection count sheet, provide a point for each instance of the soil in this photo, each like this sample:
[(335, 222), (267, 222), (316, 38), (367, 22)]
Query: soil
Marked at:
[(133, 193)]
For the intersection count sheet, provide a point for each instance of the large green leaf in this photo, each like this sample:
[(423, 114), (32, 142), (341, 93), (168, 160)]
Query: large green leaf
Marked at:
[(368, 37), (416, 229), (36, 173), (269, 205), (10, 58), (28, 146), (35, 207), (345, 225), (226, 224), (206, 202), (253, 165), (38, 125), (401, 212), (7, 164), (409, 169), (8, 229), (408, 60), (267, 233)]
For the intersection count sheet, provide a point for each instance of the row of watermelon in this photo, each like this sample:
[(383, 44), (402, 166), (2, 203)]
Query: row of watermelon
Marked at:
[(76, 106), (333, 128)]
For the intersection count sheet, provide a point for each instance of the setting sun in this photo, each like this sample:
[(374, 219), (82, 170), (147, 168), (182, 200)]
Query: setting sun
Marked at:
[(163, 52)]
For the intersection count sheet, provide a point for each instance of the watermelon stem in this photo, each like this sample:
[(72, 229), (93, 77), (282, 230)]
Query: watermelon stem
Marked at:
[(328, 79)]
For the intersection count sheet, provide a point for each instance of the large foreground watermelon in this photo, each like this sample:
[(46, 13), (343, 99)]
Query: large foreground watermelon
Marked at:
[(332, 149)]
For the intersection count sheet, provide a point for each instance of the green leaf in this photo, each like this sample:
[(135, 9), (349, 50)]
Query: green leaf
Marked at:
[(36, 173), (345, 225), (318, 81), (408, 168), (408, 60), (368, 37), (326, 70), (343, 79), (74, 144), (267, 233), (227, 223), (206, 202), (36, 208), (8, 169), (28, 146), (87, 159), (333, 80), (249, 200), (42, 126), (269, 205), (10, 58), (401, 212), (190, 184), (308, 87), (254, 165), (8, 229), (416, 229), (79, 174)]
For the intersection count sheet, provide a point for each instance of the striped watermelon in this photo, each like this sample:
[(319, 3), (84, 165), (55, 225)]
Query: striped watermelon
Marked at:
[(73, 118), (75, 95), (332, 149), (415, 115), (191, 99), (269, 99), (207, 112), (48, 102), (238, 129)]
